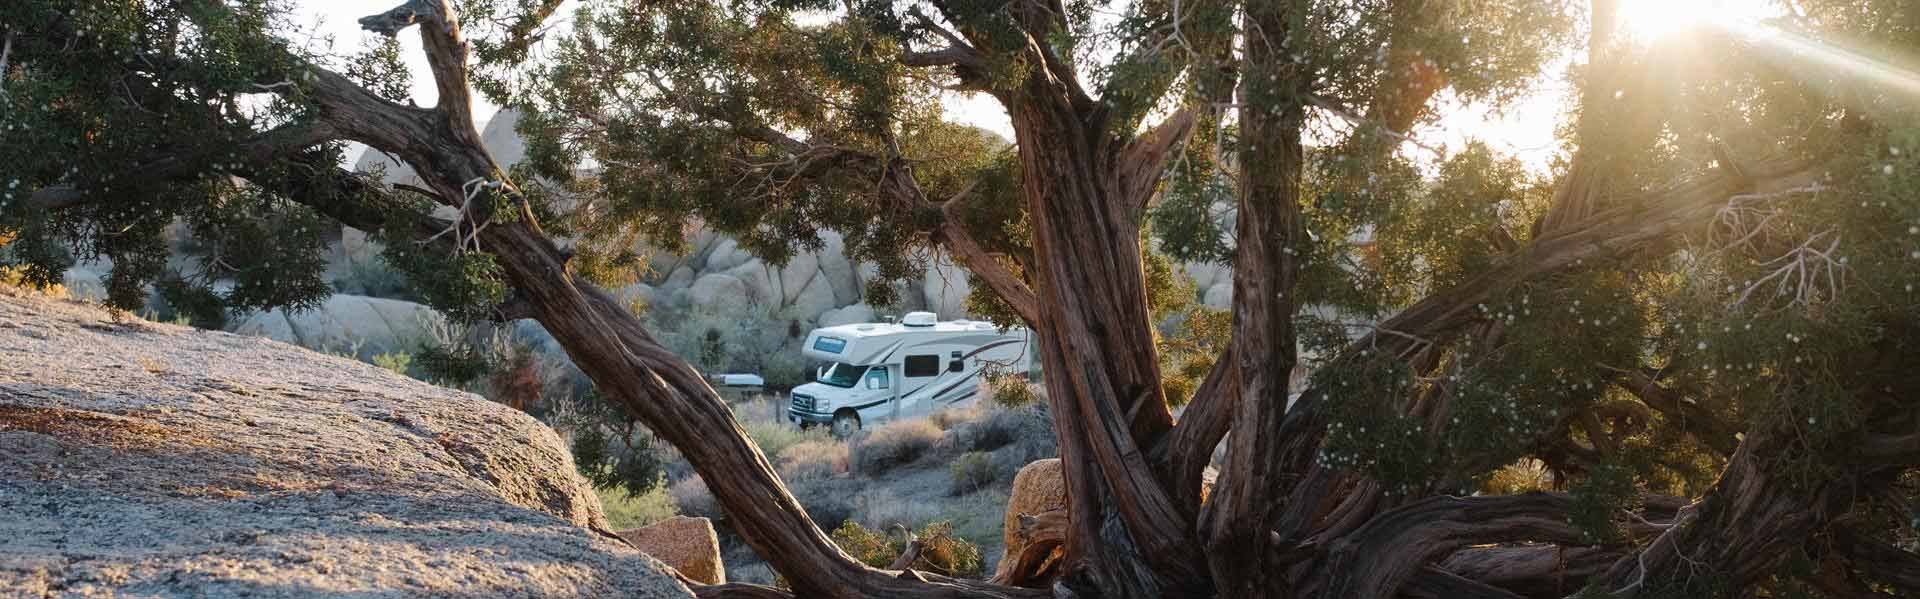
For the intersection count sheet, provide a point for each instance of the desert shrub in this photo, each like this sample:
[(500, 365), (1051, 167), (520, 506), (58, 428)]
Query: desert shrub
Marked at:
[(692, 498), (31, 259), (395, 362), (825, 500), (626, 510), (975, 470), (826, 503), (784, 370), (808, 460), (738, 336), (765, 419), (1011, 390), (1025, 431), (623, 459), (453, 365), (947, 419), (1519, 477), (199, 306), (515, 380), (942, 552), (892, 445), (775, 437), (1008, 462)]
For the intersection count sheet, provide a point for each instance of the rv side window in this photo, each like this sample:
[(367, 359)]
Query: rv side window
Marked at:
[(923, 365), (877, 378)]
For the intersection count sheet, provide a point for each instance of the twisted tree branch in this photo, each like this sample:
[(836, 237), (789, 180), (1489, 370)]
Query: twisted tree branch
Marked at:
[(1374, 561), (970, 253)]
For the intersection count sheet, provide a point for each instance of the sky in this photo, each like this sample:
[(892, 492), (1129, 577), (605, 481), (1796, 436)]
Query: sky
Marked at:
[(1525, 130)]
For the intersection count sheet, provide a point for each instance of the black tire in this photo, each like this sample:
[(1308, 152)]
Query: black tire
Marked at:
[(845, 423)]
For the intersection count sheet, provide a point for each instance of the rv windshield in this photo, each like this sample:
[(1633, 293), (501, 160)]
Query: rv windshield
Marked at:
[(842, 374)]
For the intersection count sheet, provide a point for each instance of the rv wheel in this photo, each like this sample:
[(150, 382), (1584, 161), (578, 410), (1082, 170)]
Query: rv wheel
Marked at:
[(845, 423)]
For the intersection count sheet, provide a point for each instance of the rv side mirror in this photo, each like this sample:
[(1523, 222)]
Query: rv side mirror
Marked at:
[(819, 372), (873, 383)]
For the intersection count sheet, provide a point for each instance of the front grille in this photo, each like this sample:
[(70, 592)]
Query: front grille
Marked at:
[(803, 402)]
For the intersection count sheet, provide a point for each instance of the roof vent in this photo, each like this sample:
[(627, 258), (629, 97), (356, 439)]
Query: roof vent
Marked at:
[(865, 327), (920, 319)]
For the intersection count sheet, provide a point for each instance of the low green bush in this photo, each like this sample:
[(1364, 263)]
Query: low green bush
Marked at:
[(775, 437), (975, 470), (625, 510), (625, 460), (395, 362)]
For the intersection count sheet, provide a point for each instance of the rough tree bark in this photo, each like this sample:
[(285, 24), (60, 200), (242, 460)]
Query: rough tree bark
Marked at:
[(1096, 345), (1245, 506)]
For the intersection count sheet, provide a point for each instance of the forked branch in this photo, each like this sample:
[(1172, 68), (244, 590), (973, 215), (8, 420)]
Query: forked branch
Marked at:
[(1144, 159), (446, 51)]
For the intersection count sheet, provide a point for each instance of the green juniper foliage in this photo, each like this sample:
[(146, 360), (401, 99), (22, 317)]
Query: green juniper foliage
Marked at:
[(70, 117)]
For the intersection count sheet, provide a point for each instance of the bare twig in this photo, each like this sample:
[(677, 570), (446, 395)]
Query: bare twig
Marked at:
[(1329, 105), (912, 554), (1800, 270)]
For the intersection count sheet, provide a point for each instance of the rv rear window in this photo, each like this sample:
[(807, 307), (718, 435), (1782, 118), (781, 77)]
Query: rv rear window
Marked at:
[(831, 345), (923, 365)]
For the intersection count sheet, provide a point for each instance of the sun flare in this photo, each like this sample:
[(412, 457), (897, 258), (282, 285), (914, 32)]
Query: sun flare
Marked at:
[(1648, 20)]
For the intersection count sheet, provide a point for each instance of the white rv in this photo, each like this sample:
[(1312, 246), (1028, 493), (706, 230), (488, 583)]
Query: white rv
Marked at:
[(885, 371)]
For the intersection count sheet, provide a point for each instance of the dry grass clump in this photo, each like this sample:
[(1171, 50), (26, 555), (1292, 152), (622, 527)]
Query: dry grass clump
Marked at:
[(891, 446), (691, 498), (1026, 433), (15, 280), (810, 460), (941, 551), (947, 419)]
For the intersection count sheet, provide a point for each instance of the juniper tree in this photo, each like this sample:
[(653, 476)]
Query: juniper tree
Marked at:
[(1695, 331)]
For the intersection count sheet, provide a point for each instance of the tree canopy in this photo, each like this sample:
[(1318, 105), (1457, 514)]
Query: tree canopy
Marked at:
[(1677, 363)]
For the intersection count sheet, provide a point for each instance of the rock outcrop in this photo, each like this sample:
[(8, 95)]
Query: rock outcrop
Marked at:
[(363, 326), (141, 459), (1039, 491), (684, 542)]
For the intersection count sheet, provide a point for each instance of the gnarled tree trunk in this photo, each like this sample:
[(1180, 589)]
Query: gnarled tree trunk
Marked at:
[(1096, 346)]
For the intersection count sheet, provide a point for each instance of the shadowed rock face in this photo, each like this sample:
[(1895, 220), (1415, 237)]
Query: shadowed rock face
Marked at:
[(154, 460)]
